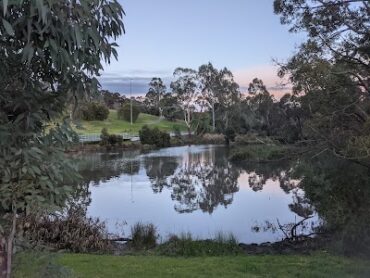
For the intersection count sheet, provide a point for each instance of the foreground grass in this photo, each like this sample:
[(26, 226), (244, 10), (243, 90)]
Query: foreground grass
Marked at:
[(116, 126), (318, 265)]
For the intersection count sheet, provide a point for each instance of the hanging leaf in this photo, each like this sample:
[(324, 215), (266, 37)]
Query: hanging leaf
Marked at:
[(78, 36), (8, 28), (5, 6)]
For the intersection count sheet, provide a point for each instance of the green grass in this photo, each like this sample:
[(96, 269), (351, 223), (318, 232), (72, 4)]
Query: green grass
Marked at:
[(317, 265), (185, 246), (116, 126)]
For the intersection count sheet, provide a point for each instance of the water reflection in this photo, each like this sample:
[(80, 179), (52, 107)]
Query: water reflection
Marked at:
[(204, 181), (159, 169), (260, 173), (102, 167), (340, 192), (195, 189)]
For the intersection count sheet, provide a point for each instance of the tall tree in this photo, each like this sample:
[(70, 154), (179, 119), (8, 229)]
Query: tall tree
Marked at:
[(261, 102), (228, 97), (157, 89), (209, 78), (185, 87), (50, 52), (332, 71)]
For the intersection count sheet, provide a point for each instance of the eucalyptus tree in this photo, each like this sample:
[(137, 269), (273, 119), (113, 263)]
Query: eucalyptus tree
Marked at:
[(186, 89), (157, 90), (50, 53), (261, 103), (218, 90), (228, 97), (208, 76), (332, 71)]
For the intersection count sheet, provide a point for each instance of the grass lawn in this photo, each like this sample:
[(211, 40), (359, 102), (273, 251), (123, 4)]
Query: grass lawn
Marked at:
[(318, 265), (116, 126)]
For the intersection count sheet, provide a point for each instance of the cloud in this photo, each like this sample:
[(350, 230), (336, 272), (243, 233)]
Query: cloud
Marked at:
[(139, 80), (123, 84)]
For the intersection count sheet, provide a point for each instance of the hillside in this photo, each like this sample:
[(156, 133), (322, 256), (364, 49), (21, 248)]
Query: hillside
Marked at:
[(116, 126)]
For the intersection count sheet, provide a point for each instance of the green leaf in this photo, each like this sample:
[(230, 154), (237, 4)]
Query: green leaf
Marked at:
[(8, 28), (5, 6), (78, 36)]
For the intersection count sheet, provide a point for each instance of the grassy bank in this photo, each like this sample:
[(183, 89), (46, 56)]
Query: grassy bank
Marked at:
[(82, 265), (116, 126), (260, 153)]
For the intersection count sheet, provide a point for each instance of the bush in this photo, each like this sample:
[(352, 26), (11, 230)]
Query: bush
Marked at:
[(177, 131), (154, 136), (72, 231), (110, 139), (94, 111), (144, 236), (184, 245), (259, 153), (252, 139), (210, 138), (124, 112), (229, 135)]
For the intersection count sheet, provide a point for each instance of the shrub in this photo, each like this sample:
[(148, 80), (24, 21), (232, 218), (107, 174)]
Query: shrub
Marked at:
[(154, 136), (110, 139), (177, 131), (210, 138), (259, 153), (252, 139), (71, 231), (144, 236), (229, 135), (124, 112), (184, 245), (94, 111)]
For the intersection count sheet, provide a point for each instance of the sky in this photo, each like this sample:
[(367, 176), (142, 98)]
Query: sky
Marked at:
[(242, 35)]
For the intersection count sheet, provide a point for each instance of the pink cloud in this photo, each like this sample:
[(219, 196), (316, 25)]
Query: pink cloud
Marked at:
[(268, 74)]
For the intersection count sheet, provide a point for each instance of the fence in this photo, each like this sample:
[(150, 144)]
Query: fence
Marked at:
[(88, 138)]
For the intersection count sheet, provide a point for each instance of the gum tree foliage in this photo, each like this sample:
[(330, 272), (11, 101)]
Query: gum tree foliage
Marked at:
[(332, 72), (218, 93), (261, 103), (208, 76), (186, 89), (171, 107), (157, 90), (50, 53), (228, 106)]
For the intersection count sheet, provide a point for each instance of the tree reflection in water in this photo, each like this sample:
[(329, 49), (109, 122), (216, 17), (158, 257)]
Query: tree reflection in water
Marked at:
[(159, 169), (204, 181), (101, 167), (260, 173), (340, 193)]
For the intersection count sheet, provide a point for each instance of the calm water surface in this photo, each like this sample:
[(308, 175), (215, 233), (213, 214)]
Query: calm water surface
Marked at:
[(192, 189)]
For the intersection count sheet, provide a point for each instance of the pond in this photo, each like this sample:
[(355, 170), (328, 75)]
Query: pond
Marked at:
[(192, 189)]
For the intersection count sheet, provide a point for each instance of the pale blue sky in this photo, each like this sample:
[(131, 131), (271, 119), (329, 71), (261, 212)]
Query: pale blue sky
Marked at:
[(243, 35)]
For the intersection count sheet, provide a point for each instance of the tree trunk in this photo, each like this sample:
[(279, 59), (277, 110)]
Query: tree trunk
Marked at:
[(3, 256), (6, 250), (213, 117), (187, 121)]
